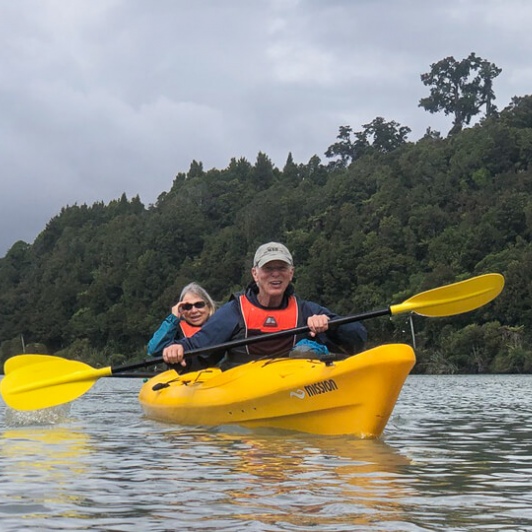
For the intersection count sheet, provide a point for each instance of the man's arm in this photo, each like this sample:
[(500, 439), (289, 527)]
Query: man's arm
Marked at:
[(348, 337)]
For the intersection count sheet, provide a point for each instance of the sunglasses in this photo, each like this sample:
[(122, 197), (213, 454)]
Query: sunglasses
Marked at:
[(189, 306)]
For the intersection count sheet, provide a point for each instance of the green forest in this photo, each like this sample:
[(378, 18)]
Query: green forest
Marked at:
[(375, 221)]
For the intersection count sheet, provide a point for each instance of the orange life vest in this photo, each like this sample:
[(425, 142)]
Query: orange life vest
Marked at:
[(188, 330), (263, 321)]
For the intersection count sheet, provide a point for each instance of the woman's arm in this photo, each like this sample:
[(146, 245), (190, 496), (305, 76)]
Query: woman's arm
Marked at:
[(165, 335)]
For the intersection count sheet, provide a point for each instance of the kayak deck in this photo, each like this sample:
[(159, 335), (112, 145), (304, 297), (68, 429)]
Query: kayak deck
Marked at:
[(351, 396)]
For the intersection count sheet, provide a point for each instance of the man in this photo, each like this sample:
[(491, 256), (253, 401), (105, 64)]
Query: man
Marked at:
[(267, 305)]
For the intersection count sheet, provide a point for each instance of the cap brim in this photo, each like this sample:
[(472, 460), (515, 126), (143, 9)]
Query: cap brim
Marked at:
[(271, 258)]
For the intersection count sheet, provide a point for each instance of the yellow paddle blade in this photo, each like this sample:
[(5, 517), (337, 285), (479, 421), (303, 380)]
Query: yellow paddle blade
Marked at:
[(52, 382), (455, 298), (19, 361)]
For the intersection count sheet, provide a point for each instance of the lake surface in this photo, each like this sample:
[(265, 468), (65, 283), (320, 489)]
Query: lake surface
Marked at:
[(455, 456)]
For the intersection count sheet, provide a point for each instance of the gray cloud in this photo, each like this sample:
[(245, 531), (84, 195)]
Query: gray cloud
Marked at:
[(101, 97)]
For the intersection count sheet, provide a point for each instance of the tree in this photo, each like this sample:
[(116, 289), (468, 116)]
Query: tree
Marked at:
[(377, 136), (386, 136), (344, 148), (195, 170), (263, 173), (291, 171), (456, 90)]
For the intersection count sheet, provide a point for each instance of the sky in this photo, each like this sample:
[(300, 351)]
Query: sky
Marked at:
[(104, 97)]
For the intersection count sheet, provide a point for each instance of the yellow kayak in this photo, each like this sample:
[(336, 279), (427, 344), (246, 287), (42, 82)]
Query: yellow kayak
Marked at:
[(352, 396)]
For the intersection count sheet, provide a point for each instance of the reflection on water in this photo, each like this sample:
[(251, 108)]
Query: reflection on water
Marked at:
[(456, 455), (38, 464), (298, 481)]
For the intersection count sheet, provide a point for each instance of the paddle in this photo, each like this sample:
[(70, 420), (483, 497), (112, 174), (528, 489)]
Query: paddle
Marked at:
[(40, 381), (19, 361)]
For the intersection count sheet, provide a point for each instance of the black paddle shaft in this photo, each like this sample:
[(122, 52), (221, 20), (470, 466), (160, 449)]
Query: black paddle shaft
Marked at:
[(255, 339)]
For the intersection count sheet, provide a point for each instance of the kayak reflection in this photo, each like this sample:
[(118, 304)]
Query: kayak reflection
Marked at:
[(282, 477)]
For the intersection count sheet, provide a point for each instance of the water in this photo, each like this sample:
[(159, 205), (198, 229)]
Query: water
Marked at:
[(455, 456)]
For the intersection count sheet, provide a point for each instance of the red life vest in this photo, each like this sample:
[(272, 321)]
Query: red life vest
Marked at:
[(263, 321), (188, 330)]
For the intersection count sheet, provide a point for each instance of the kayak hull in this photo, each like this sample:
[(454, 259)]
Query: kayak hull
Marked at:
[(352, 396)]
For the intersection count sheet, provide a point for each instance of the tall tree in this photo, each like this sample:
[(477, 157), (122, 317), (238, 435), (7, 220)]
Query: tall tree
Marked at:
[(460, 88)]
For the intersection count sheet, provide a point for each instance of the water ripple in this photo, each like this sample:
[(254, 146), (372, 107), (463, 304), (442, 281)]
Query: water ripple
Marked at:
[(455, 456)]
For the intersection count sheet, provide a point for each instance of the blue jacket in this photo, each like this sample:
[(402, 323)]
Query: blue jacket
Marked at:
[(165, 335)]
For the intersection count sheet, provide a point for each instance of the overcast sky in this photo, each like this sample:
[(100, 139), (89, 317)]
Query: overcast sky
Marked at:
[(102, 97)]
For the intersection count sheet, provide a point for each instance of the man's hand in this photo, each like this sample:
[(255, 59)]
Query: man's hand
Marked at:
[(317, 324), (174, 354)]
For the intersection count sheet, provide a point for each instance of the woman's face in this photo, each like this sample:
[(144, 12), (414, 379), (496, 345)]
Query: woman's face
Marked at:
[(191, 313)]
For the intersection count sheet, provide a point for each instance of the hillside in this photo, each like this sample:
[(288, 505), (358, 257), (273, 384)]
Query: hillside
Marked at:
[(99, 278)]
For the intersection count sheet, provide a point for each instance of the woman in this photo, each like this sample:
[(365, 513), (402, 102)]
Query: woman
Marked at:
[(194, 308)]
